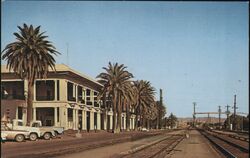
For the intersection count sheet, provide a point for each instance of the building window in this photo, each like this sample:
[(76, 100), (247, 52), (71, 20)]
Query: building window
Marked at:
[(45, 90), (20, 113), (88, 97), (70, 114), (81, 95), (71, 92), (96, 104), (12, 90)]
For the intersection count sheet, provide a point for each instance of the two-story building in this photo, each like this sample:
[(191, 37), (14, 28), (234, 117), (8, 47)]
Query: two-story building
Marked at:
[(65, 98)]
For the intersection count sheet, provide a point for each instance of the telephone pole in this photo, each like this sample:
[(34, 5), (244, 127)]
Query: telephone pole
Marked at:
[(228, 118), (219, 116), (194, 114), (234, 121)]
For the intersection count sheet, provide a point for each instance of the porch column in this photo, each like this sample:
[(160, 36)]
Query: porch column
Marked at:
[(130, 123), (133, 123), (17, 113), (34, 114), (55, 116), (111, 121), (76, 91), (83, 119), (124, 122), (98, 120), (91, 120)]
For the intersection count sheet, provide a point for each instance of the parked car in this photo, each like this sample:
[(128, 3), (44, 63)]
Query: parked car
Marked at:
[(35, 132), (144, 130), (3, 136), (57, 130), (9, 134)]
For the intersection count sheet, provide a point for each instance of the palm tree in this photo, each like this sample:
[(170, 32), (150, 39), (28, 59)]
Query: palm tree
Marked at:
[(128, 100), (30, 57), (144, 98), (114, 80)]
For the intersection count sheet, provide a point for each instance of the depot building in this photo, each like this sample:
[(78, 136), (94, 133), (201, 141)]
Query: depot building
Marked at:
[(65, 98)]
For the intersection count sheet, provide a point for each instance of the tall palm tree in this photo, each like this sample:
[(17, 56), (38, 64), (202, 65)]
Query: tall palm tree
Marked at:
[(30, 57), (128, 100), (114, 79), (144, 98)]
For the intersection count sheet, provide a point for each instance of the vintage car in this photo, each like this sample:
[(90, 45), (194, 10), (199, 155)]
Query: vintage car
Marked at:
[(57, 130), (9, 134), (35, 132)]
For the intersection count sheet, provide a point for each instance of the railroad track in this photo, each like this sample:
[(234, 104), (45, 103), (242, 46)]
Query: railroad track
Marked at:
[(235, 136), (227, 147), (157, 149)]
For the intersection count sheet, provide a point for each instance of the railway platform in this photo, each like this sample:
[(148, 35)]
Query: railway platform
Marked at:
[(195, 146)]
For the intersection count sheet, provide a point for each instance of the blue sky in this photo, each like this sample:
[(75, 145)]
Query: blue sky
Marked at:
[(194, 51)]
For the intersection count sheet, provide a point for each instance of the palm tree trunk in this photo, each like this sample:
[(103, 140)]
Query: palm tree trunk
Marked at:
[(148, 126), (118, 130), (114, 113), (30, 102)]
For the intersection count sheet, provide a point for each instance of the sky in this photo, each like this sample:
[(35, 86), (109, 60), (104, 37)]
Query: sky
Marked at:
[(194, 51)]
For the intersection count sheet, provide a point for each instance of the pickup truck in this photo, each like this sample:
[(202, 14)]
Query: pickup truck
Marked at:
[(35, 132), (57, 130), (17, 135)]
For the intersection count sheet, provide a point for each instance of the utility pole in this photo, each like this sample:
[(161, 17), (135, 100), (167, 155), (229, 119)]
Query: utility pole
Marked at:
[(194, 114), (228, 118), (219, 117), (234, 121)]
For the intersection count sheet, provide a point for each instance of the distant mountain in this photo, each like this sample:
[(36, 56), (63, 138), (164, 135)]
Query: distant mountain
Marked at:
[(201, 119)]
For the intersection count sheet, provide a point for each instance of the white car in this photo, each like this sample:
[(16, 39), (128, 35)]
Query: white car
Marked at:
[(9, 134), (144, 129)]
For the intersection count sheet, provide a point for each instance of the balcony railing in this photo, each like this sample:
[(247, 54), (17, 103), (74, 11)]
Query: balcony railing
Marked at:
[(43, 98), (71, 98), (80, 100), (10, 96)]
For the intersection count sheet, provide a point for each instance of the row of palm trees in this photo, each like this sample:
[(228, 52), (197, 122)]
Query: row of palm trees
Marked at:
[(126, 94), (31, 55)]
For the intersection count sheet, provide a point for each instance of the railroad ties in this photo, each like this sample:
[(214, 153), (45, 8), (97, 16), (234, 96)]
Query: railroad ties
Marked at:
[(228, 146), (157, 149)]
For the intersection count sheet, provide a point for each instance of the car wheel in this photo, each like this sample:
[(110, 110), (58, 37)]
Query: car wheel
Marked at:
[(33, 136), (19, 138), (56, 133), (47, 136)]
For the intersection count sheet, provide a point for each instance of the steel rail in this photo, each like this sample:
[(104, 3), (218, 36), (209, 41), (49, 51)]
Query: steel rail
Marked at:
[(169, 148), (155, 144), (245, 139), (232, 144), (224, 151)]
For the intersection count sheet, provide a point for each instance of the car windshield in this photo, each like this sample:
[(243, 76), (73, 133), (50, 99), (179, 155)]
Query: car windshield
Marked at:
[(35, 125)]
